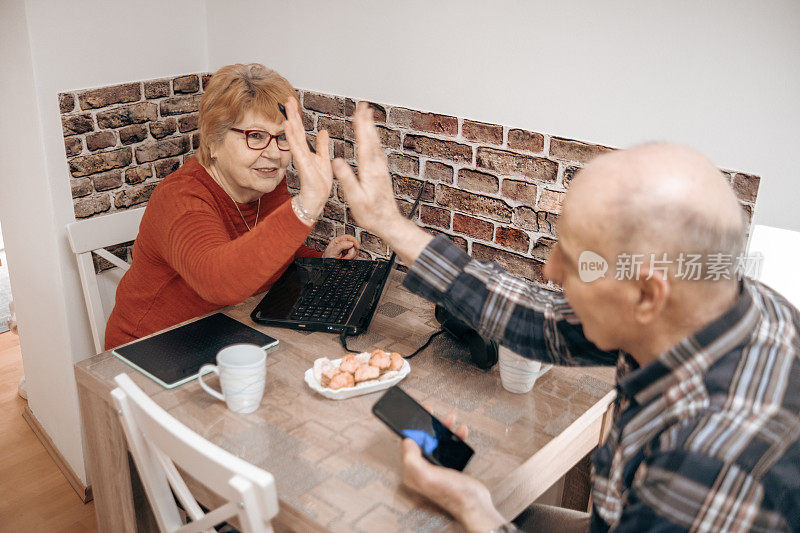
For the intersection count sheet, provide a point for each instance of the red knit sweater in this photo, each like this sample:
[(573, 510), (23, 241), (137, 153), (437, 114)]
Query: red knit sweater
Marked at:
[(194, 253)]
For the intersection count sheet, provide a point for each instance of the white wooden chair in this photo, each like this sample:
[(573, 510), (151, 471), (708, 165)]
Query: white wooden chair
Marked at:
[(779, 251), (87, 237), (159, 443)]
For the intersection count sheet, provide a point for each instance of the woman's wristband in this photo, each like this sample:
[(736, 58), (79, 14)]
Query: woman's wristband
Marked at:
[(301, 212)]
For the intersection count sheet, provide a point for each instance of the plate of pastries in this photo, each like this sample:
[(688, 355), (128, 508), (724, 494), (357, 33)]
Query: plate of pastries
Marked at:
[(356, 374)]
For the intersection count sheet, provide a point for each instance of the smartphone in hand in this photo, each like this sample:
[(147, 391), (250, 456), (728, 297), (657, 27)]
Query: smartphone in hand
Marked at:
[(406, 417)]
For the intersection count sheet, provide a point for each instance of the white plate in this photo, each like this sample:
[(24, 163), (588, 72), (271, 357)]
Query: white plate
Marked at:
[(365, 387)]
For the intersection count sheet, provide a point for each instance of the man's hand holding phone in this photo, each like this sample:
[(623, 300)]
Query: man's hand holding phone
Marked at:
[(464, 497)]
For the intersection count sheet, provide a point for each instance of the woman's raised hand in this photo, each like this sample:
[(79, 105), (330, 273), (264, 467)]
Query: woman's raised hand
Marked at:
[(316, 176)]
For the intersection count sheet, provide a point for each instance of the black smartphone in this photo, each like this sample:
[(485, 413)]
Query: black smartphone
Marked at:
[(410, 420)]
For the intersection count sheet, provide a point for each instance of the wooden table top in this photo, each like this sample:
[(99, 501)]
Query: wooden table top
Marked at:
[(337, 464)]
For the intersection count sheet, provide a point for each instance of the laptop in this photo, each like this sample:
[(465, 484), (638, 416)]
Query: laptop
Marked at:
[(334, 295)]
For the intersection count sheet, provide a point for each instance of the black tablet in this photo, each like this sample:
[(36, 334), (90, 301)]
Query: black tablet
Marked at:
[(175, 356)]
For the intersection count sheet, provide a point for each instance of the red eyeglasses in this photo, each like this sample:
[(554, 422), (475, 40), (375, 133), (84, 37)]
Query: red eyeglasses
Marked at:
[(260, 139)]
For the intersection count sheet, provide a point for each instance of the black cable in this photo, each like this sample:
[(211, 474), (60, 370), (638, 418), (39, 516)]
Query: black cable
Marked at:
[(343, 341), (435, 333)]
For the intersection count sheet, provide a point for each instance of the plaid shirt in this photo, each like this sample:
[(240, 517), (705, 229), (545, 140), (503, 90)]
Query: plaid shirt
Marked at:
[(705, 437)]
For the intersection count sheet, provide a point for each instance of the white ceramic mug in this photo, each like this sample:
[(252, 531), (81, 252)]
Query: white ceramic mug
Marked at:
[(517, 373), (242, 371)]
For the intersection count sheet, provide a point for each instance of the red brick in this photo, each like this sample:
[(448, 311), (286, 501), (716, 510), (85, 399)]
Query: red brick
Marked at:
[(76, 124), (156, 89), (510, 164), (520, 191), (84, 165), (389, 138), (134, 196), (551, 201), (179, 105), (165, 167), (100, 140), (746, 187), (473, 227), (512, 238), (410, 187), (81, 187), (136, 175), (525, 140), (292, 179), (204, 79), (86, 207), (333, 211), (473, 203), (188, 123), (428, 122), (66, 102), (511, 262), (163, 128), (475, 181), (186, 84), (160, 149), (195, 141), (106, 96), (482, 132), (427, 146), (324, 228), (107, 180), (403, 164), (435, 216), (372, 243), (343, 149), (331, 105), (133, 134), (126, 115), (73, 146), (528, 219), (569, 150), (338, 128), (308, 121), (437, 171)]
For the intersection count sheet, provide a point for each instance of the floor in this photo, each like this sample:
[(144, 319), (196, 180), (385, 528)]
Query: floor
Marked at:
[(34, 496), (5, 289)]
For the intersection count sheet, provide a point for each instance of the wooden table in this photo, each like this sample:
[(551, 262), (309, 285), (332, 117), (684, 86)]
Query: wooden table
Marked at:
[(336, 466)]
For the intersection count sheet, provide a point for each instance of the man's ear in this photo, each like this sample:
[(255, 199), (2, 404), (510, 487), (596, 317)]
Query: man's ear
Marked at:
[(653, 295)]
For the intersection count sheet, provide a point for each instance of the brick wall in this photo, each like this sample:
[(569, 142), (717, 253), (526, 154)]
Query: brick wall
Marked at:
[(495, 190)]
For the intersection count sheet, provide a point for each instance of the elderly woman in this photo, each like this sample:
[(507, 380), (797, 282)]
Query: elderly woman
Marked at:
[(223, 226)]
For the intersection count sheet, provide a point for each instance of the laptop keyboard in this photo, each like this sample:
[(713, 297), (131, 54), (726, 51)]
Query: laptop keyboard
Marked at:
[(331, 298)]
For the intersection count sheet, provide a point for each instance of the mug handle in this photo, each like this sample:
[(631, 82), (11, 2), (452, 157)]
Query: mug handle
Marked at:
[(208, 369)]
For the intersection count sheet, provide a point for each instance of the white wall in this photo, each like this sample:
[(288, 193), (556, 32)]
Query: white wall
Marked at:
[(50, 47), (722, 76)]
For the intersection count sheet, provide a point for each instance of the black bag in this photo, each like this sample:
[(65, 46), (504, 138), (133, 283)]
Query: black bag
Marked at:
[(482, 352)]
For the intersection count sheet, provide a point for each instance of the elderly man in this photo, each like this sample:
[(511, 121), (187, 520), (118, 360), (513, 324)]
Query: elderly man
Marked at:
[(706, 420)]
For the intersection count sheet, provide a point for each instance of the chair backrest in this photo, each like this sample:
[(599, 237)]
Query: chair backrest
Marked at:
[(159, 444), (87, 237), (779, 251)]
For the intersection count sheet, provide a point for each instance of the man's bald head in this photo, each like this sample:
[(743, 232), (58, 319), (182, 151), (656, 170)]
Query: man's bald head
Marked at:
[(659, 198)]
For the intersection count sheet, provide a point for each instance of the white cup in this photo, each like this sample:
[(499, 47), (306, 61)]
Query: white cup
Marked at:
[(517, 373), (242, 371)]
